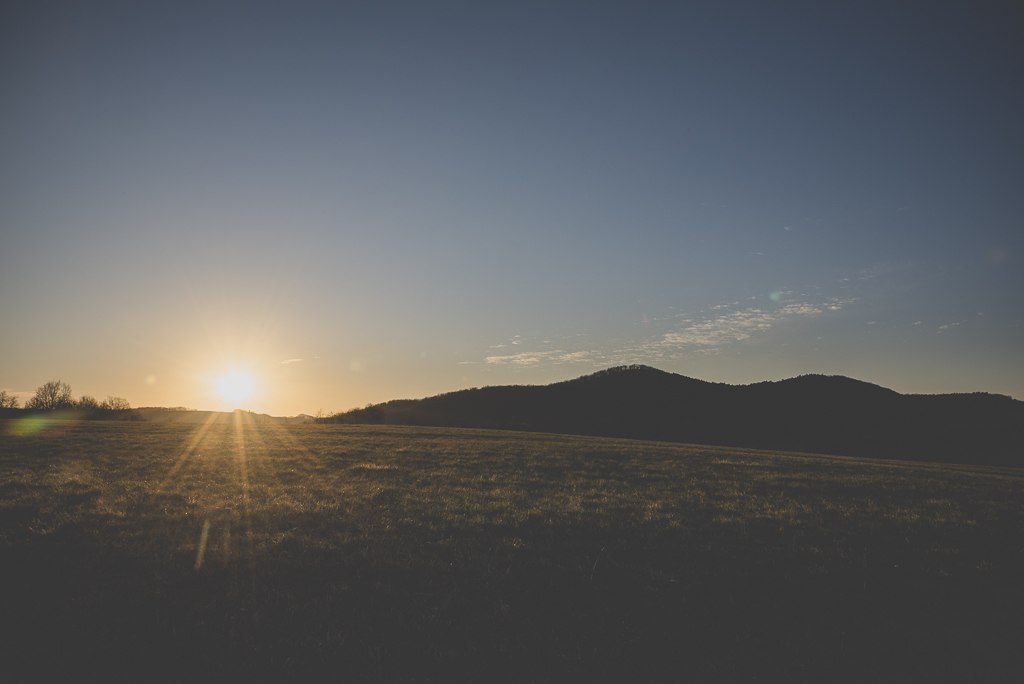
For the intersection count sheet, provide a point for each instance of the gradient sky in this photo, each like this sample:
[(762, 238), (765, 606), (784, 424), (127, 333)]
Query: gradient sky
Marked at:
[(357, 202)]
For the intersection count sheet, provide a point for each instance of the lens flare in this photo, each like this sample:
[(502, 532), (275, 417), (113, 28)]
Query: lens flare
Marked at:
[(203, 536), (29, 426)]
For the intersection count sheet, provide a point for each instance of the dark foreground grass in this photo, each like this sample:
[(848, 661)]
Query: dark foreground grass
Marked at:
[(167, 552)]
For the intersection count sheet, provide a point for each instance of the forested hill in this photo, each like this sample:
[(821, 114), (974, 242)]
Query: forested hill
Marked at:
[(810, 413)]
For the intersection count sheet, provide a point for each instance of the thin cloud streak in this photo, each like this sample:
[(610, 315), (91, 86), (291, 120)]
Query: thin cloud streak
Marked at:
[(526, 359), (736, 326), (707, 336)]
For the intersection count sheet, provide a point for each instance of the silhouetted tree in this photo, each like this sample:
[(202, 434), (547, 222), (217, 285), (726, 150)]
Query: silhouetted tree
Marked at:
[(8, 400), (51, 396), (87, 403), (115, 404)]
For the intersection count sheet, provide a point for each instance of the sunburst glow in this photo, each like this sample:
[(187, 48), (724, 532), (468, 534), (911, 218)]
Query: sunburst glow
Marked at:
[(235, 386)]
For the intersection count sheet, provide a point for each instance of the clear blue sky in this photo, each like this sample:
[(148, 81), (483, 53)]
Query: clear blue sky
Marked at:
[(401, 199)]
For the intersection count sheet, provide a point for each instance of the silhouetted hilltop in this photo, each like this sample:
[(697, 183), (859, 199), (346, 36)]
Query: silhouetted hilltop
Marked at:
[(810, 413)]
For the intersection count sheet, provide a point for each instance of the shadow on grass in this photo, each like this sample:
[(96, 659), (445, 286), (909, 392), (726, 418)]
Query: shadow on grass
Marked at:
[(434, 556)]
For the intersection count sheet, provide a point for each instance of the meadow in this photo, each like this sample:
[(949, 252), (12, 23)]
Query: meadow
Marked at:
[(177, 552)]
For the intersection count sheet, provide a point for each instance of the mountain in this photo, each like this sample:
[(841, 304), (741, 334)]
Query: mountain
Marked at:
[(811, 413)]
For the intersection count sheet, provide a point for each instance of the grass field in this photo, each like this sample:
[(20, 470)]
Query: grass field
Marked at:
[(169, 552)]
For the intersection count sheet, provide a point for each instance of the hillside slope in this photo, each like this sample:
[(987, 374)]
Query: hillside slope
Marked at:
[(810, 413)]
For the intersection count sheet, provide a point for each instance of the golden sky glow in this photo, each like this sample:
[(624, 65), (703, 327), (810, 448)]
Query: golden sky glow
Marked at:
[(351, 206), (235, 386)]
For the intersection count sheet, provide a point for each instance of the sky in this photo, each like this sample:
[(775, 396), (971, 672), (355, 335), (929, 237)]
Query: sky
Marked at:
[(356, 202)]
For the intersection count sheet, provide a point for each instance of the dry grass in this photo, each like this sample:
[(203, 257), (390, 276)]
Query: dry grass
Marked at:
[(176, 552)]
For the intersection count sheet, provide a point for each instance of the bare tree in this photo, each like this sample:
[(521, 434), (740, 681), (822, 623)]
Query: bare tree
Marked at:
[(51, 396), (87, 403), (8, 400), (116, 404)]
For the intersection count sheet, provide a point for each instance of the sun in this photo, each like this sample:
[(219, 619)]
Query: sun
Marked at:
[(235, 386)]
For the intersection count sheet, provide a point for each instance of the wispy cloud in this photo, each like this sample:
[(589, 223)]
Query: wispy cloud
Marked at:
[(725, 324), (558, 356), (721, 329), (291, 360), (710, 334)]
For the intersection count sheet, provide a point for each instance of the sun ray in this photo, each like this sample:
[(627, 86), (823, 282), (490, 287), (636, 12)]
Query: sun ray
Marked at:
[(243, 475), (193, 443)]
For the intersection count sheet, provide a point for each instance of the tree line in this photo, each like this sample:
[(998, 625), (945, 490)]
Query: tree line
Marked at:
[(56, 396), (368, 415)]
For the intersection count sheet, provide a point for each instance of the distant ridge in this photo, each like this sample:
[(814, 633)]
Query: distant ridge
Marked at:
[(180, 414), (809, 413)]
